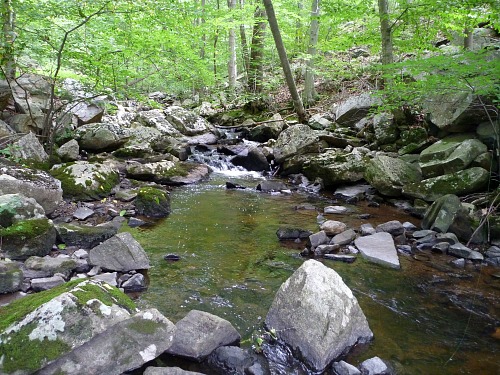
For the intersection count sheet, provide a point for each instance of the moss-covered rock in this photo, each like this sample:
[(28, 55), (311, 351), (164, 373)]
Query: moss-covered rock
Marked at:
[(168, 172), (17, 207), (41, 327), (152, 202), (28, 237), (85, 236), (85, 181), (463, 182), (388, 175)]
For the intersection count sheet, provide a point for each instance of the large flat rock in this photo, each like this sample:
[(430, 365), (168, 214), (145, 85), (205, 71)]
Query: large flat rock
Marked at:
[(379, 248)]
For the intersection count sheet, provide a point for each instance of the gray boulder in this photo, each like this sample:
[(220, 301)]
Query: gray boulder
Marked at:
[(24, 123), (268, 186), (123, 347), (459, 183), (393, 227), (334, 166), (296, 140), (157, 120), (46, 283), (374, 366), (100, 137), (186, 122), (53, 328), (5, 130), (462, 251), (492, 256), (252, 159), (460, 158), (456, 111), (29, 148), (82, 180), (389, 175), (350, 111), (379, 248), (36, 184), (86, 113), (69, 151), (168, 172), (333, 227), (385, 128), (343, 238), (120, 253), (17, 207), (235, 360), (199, 333), (344, 368), (5, 94), (11, 277), (48, 266), (287, 233), (317, 315), (152, 202)]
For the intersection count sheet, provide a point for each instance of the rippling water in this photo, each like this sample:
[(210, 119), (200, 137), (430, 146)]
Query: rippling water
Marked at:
[(232, 264)]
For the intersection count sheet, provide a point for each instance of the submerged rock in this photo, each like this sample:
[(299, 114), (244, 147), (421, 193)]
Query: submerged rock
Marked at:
[(317, 315), (379, 248)]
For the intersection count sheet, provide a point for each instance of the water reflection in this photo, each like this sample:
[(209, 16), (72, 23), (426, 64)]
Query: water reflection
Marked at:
[(232, 264)]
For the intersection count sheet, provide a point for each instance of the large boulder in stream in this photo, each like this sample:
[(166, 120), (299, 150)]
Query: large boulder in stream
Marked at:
[(100, 137), (379, 248), (120, 253), (296, 140), (186, 122), (168, 172), (334, 166), (354, 108), (317, 315)]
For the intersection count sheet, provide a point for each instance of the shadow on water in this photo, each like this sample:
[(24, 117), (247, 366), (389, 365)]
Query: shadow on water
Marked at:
[(426, 319)]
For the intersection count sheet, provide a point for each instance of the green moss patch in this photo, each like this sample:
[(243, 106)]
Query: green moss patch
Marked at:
[(26, 229), (145, 326)]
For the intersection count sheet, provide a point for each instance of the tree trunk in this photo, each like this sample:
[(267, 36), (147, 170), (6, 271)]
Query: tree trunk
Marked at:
[(256, 64), (469, 39), (231, 65), (309, 94), (9, 36), (273, 25), (385, 32), (244, 44), (203, 37)]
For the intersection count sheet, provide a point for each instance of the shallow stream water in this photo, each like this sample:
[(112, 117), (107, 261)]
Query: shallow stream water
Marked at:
[(427, 318)]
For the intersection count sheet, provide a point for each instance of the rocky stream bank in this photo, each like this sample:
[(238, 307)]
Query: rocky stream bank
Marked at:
[(60, 227)]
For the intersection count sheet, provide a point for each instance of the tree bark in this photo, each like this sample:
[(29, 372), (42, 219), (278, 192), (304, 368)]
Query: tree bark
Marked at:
[(273, 25), (256, 64), (309, 94), (385, 32), (231, 65), (203, 37), (468, 39), (244, 44), (9, 36)]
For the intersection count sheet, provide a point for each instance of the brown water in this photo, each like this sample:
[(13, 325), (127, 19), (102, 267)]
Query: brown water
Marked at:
[(427, 318)]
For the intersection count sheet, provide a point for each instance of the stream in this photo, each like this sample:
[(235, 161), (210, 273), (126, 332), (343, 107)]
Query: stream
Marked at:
[(427, 318)]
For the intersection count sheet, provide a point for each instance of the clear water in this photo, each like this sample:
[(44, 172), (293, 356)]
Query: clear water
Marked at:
[(232, 264)]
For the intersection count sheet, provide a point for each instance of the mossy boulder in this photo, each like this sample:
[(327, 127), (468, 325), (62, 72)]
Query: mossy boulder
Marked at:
[(82, 180), (385, 128), (186, 122), (298, 140), (459, 183), (28, 237), (85, 236), (48, 266), (388, 175), (41, 327), (17, 207), (11, 277), (168, 172), (335, 167), (152, 202)]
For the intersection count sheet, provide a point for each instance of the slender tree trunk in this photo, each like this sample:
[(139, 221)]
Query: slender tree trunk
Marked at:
[(256, 64), (231, 65), (273, 25), (298, 25), (9, 36), (203, 36), (216, 39), (309, 94), (469, 39), (244, 44), (385, 32)]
